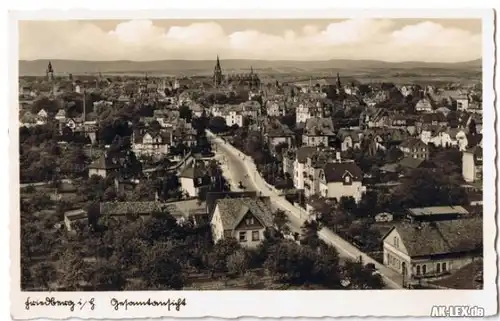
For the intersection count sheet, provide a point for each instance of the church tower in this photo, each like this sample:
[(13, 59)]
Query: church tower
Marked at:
[(217, 73), (339, 85), (49, 72)]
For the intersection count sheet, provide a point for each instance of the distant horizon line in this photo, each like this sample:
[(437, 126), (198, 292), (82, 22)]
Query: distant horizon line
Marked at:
[(233, 59)]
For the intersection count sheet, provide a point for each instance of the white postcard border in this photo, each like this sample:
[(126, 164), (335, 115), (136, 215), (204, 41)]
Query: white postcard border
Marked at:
[(231, 304)]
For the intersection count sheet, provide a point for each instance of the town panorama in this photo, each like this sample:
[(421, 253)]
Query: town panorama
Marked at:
[(251, 179)]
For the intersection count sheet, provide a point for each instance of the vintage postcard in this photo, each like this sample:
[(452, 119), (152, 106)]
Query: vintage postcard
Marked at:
[(185, 166)]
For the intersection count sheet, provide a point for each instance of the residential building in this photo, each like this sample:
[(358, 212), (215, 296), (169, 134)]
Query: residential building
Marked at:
[(414, 148), (151, 143), (349, 139), (244, 219), (315, 162), (424, 105), (318, 132), (341, 178), (276, 108), (299, 165), (432, 249), (103, 166), (472, 164), (193, 178), (308, 108)]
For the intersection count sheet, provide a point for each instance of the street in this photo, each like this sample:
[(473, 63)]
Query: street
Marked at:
[(237, 170)]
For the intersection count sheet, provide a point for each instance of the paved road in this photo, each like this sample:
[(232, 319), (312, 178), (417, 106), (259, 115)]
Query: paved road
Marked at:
[(236, 168)]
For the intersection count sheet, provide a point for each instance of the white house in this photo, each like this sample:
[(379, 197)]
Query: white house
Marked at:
[(299, 165), (341, 179), (151, 143), (244, 219)]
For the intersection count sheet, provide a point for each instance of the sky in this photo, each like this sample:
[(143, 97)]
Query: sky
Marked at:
[(428, 40)]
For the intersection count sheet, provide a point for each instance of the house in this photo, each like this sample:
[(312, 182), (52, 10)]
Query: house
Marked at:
[(244, 219), (318, 132), (103, 166), (313, 165), (275, 108), (193, 178), (349, 139), (432, 249), (299, 165), (61, 115), (424, 105), (341, 179), (151, 143), (308, 108), (414, 148), (472, 164), (277, 133), (462, 102)]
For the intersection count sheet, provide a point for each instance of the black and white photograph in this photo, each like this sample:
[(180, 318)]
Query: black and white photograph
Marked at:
[(253, 154)]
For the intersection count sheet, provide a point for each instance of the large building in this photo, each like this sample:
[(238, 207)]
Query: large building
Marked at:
[(241, 81)]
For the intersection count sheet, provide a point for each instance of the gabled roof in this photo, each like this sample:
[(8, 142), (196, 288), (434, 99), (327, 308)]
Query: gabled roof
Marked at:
[(441, 237), (335, 172), (233, 210), (104, 162)]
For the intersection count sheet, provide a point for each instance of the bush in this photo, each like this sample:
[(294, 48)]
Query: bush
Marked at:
[(237, 263), (251, 280)]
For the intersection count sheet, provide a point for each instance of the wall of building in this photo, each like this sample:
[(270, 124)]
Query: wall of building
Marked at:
[(338, 189), (468, 168), (187, 185)]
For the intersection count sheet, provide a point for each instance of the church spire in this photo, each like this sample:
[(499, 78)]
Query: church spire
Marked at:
[(50, 71), (217, 73), (339, 85)]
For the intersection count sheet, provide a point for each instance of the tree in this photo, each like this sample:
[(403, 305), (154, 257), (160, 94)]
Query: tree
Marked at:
[(220, 253), (162, 269), (106, 276), (309, 235), (43, 274), (217, 124), (281, 221), (185, 113), (237, 263), (361, 277)]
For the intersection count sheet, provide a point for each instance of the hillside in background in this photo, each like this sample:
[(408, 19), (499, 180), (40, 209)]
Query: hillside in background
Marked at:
[(191, 67)]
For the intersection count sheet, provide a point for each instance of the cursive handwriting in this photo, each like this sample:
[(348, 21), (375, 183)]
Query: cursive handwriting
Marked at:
[(176, 303), (53, 302)]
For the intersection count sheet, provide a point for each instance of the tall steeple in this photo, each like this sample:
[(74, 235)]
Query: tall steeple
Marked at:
[(50, 72), (217, 73)]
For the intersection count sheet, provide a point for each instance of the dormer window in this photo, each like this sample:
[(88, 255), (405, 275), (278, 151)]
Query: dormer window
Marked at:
[(347, 179)]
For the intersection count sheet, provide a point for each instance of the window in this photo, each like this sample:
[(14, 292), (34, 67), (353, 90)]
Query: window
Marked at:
[(424, 269), (418, 269), (255, 236), (199, 180), (395, 241), (438, 268), (243, 236), (249, 221), (347, 179), (443, 265)]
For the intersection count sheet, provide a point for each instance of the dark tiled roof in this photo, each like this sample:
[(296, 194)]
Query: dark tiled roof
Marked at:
[(410, 162), (104, 162), (442, 237), (334, 172), (304, 152), (413, 143), (123, 208), (232, 211), (474, 140)]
